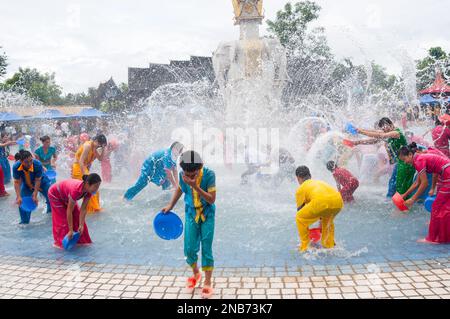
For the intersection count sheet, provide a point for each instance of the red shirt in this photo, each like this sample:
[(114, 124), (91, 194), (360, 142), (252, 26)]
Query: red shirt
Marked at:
[(441, 135), (343, 176)]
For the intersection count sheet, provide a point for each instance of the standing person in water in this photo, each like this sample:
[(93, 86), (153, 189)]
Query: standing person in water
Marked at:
[(160, 169), (67, 217), (439, 229), (316, 200), (85, 156), (28, 181), (403, 173), (441, 136), (3, 192), (198, 183), (345, 181), (5, 143), (46, 154)]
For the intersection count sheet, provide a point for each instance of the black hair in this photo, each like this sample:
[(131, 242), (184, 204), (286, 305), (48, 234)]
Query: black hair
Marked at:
[(92, 179), (45, 138), (175, 144), (384, 121), (101, 139), (303, 172), (408, 150), (17, 157), (23, 155), (331, 166), (191, 161), (437, 122)]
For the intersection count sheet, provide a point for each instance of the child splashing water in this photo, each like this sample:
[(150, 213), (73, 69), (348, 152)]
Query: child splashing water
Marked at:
[(198, 183)]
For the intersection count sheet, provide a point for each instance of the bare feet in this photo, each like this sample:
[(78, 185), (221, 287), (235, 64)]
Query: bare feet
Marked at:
[(207, 291), (425, 241)]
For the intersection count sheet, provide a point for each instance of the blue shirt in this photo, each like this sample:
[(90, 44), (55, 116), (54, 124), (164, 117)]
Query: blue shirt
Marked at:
[(154, 167), (46, 159), (195, 204), (35, 171), (4, 152)]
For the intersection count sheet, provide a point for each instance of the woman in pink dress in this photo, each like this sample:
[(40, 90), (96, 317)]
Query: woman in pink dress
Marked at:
[(439, 166), (67, 217), (441, 136)]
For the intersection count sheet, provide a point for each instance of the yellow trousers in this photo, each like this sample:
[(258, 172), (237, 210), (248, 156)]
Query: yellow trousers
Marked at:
[(94, 203), (310, 214)]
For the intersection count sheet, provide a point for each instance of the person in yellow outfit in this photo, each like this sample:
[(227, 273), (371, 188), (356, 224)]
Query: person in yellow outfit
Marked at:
[(84, 157), (316, 200)]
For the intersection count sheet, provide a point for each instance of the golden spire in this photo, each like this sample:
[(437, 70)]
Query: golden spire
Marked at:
[(248, 10)]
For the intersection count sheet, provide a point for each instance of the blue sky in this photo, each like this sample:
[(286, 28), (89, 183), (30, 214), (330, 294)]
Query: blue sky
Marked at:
[(87, 41)]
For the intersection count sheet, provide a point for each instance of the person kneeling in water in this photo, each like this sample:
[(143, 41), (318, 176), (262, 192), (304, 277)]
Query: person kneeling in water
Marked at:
[(316, 200), (345, 181)]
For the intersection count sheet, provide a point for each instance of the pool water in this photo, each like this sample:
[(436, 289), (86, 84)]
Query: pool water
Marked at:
[(255, 227)]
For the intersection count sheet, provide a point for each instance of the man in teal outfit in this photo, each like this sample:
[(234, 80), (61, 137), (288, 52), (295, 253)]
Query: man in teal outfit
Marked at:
[(198, 183)]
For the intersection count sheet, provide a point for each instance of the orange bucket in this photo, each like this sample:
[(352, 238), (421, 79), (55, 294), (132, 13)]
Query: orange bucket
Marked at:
[(398, 201), (315, 234)]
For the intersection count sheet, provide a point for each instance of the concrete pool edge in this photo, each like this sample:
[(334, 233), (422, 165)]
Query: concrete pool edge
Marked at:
[(28, 277)]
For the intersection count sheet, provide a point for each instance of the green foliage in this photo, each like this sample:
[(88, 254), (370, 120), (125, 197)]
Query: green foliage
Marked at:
[(291, 24), (437, 60), (41, 87), (3, 63)]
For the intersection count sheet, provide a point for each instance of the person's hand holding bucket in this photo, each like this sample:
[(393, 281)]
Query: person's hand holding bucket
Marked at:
[(350, 128)]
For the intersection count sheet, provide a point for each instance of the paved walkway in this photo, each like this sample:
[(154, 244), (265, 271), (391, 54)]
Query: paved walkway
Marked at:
[(25, 277)]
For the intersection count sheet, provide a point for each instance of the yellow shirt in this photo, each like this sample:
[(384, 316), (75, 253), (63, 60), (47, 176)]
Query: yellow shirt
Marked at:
[(319, 195)]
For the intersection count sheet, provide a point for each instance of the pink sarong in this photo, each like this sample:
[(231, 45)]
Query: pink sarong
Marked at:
[(59, 195)]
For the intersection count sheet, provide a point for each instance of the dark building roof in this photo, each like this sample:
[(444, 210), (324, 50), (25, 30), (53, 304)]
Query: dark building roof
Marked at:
[(142, 82)]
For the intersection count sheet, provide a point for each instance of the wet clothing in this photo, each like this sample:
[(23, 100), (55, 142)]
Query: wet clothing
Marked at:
[(403, 174), (200, 219), (439, 229), (106, 170), (4, 162), (347, 183), (441, 135), (46, 158), (94, 202), (317, 200), (153, 170), (59, 195), (27, 178), (2, 183)]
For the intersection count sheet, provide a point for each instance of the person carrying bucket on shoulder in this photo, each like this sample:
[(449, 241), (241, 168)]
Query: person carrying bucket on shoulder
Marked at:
[(198, 183), (316, 200)]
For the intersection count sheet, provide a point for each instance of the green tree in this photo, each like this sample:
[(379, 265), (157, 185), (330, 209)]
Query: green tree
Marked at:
[(3, 63), (41, 87), (309, 57), (437, 60)]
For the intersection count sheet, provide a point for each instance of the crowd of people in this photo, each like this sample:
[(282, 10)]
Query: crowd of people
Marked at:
[(415, 168)]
